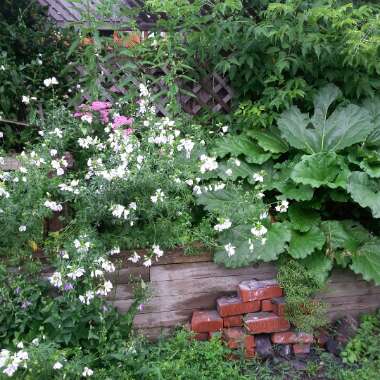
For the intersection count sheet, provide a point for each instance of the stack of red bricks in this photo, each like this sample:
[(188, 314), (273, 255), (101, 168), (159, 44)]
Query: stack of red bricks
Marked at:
[(258, 308)]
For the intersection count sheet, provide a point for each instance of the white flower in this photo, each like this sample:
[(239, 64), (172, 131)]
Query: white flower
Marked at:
[(54, 80), (87, 118), (4, 193), (1, 135), (135, 258), (47, 82), (39, 62), (25, 99), (208, 163), (283, 206), (108, 266), (223, 226), (96, 273), (263, 215), (86, 299), (117, 210), (22, 228), (230, 249), (157, 251), (147, 262), (259, 230), (237, 162), (187, 145), (53, 152), (10, 370), (114, 251), (133, 205), (158, 196), (258, 177), (35, 342), (76, 274), (87, 372), (107, 286), (57, 365), (54, 206), (228, 172), (20, 345), (143, 90), (56, 279), (225, 129)]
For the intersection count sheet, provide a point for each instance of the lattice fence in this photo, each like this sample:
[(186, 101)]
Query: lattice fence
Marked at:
[(211, 93)]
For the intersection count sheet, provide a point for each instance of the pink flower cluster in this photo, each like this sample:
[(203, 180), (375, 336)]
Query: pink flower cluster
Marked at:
[(104, 109)]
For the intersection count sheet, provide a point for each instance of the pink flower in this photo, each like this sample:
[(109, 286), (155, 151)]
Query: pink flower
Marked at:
[(104, 116), (99, 105), (119, 121), (78, 114), (127, 132)]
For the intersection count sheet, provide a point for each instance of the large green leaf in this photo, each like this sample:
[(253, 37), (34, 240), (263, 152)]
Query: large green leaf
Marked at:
[(319, 265), (277, 237), (344, 234), (373, 107), (302, 217), (303, 244), (237, 145), (368, 159), (269, 139), (321, 169), (366, 261), (279, 178), (365, 191), (230, 170), (344, 127)]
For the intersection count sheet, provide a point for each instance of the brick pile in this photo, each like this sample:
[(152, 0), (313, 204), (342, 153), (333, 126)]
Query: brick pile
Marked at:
[(258, 308)]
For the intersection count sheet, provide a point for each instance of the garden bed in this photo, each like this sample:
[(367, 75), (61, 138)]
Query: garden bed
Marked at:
[(181, 284)]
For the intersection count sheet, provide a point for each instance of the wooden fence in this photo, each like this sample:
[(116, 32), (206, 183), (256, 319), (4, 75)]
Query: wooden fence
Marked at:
[(181, 284)]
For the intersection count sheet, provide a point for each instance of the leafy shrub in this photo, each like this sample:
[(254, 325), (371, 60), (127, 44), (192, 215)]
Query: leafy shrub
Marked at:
[(316, 191)]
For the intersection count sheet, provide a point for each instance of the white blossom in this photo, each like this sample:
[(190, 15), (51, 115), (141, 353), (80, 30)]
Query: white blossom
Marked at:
[(57, 365), (283, 206), (135, 258), (259, 230), (87, 372), (208, 163), (230, 249), (157, 251), (25, 99), (22, 228), (258, 177), (54, 206), (223, 226), (56, 279)]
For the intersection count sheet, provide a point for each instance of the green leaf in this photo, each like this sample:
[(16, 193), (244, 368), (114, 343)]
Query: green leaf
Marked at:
[(303, 218), (237, 145), (366, 261), (269, 139), (344, 127), (277, 237), (319, 265), (279, 179), (373, 107), (321, 169), (365, 191), (345, 234), (229, 170), (303, 244)]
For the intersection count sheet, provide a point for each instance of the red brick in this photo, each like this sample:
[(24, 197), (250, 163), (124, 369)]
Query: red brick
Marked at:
[(234, 321), (202, 337), (266, 305), (263, 322), (206, 321), (249, 353), (279, 306), (253, 290), (301, 349), (229, 306), (236, 337), (322, 338), (290, 337)]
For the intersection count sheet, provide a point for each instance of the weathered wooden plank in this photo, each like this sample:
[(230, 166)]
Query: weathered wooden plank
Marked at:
[(165, 319), (203, 269), (124, 275), (353, 288), (9, 163)]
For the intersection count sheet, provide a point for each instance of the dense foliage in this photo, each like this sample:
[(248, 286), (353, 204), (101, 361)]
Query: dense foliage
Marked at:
[(32, 49)]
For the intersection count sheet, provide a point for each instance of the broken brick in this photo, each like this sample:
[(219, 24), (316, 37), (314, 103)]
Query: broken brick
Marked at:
[(290, 337), (253, 290), (236, 337), (264, 322), (206, 321), (301, 349), (278, 305), (229, 306), (234, 321), (266, 305)]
